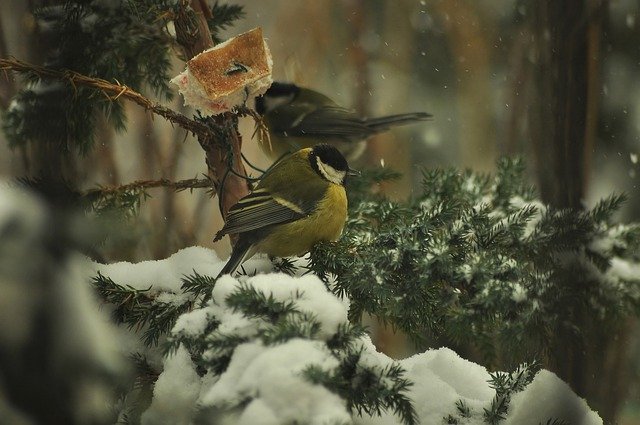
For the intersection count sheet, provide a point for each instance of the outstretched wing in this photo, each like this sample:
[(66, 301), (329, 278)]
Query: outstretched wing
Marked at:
[(260, 209)]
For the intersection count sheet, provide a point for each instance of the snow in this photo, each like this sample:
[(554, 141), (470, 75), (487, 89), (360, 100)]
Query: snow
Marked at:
[(549, 397), (175, 392), (24, 214), (519, 293), (265, 384), (624, 269), (309, 292), (192, 323), (605, 243), (51, 333), (163, 275), (273, 375), (269, 378), (441, 378)]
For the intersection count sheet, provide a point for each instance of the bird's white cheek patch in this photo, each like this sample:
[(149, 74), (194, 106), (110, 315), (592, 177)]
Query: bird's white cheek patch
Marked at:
[(273, 102), (330, 173)]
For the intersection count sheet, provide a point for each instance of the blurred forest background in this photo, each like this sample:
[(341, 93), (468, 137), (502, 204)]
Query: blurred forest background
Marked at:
[(555, 82)]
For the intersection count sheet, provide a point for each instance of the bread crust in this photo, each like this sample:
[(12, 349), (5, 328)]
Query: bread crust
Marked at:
[(228, 74)]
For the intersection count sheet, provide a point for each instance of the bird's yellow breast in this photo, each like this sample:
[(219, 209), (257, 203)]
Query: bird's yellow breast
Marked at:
[(324, 224)]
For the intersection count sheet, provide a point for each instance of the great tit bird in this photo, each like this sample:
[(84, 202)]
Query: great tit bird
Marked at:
[(298, 117), (299, 201)]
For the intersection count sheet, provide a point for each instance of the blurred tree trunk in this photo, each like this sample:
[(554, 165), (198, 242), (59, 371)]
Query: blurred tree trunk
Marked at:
[(469, 40), (47, 161), (44, 160), (563, 118), (561, 134)]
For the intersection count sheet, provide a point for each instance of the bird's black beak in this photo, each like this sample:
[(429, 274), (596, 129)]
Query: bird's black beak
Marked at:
[(353, 173)]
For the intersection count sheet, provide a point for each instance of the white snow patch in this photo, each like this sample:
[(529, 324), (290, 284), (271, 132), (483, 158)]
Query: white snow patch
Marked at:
[(175, 392), (309, 292), (549, 397), (192, 323), (163, 275), (624, 269), (273, 375), (270, 378), (605, 244), (519, 293)]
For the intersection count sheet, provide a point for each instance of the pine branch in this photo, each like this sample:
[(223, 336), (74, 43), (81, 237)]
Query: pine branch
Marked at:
[(554, 422), (111, 91), (222, 17), (463, 409), (478, 259), (284, 265), (180, 185), (507, 384), (145, 373), (138, 308), (291, 326), (256, 304), (198, 285), (127, 198), (376, 390), (7, 86)]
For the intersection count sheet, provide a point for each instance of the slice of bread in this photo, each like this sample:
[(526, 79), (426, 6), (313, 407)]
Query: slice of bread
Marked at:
[(228, 74)]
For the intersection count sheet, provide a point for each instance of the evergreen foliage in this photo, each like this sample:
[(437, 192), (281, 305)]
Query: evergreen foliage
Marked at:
[(366, 388), (506, 384), (478, 259), (223, 16), (122, 40), (139, 309), (475, 258)]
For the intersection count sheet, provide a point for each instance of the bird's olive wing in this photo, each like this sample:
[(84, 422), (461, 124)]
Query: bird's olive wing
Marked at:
[(260, 209), (329, 121)]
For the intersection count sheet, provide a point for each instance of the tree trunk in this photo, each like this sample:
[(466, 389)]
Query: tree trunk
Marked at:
[(563, 125), (224, 160)]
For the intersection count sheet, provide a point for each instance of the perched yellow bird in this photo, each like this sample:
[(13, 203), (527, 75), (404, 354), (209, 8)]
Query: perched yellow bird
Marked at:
[(297, 117), (300, 201)]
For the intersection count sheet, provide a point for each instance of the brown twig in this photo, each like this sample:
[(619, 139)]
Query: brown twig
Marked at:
[(112, 91), (260, 129), (7, 86), (187, 184)]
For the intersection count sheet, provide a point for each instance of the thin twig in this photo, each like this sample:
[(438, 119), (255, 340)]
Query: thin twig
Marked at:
[(260, 126), (7, 86), (148, 184), (112, 91)]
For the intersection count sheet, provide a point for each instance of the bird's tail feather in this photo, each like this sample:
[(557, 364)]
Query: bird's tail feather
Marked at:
[(383, 123), (238, 255)]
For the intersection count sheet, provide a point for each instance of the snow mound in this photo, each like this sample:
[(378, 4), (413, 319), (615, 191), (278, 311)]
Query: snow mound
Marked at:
[(266, 382)]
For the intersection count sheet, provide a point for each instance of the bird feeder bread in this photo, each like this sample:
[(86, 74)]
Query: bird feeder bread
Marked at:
[(228, 74)]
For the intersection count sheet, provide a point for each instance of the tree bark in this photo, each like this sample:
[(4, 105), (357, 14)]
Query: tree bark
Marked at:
[(563, 128), (223, 157), (564, 33)]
